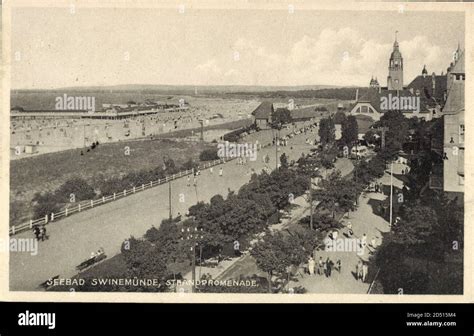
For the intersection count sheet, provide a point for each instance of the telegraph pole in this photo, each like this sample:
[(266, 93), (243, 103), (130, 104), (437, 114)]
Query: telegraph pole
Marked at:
[(391, 193), (169, 187), (310, 203), (169, 197), (201, 121), (195, 236)]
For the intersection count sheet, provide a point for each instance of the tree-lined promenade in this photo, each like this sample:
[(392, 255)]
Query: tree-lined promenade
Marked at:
[(74, 238)]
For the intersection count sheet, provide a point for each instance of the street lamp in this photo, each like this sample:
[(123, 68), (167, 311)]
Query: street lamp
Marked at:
[(194, 235), (169, 187)]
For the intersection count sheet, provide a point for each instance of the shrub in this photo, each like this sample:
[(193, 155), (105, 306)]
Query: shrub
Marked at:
[(46, 203), (209, 155), (76, 186)]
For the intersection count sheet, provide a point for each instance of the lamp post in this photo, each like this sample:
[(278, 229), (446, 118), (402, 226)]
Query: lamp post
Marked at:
[(391, 193), (310, 203), (169, 188), (194, 235)]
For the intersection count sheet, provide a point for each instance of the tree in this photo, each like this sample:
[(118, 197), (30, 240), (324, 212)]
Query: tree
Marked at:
[(416, 227), (284, 161), (337, 193), (350, 131), (321, 222), (327, 131), (340, 118), (275, 253), (282, 116)]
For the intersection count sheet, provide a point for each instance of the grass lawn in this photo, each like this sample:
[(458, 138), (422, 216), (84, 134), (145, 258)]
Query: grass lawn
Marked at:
[(47, 172)]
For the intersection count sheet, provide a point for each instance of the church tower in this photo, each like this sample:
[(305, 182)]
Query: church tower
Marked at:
[(395, 68)]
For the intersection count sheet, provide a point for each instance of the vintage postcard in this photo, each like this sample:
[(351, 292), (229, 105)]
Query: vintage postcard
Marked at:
[(255, 151)]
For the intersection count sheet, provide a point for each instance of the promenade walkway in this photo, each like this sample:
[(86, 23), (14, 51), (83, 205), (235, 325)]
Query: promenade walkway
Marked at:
[(74, 238)]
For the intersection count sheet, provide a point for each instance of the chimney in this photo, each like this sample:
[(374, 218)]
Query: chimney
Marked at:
[(433, 83), (357, 95)]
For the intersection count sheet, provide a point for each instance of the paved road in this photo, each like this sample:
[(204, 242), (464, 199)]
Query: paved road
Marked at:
[(73, 239)]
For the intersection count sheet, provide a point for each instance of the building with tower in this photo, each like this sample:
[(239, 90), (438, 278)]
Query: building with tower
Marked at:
[(395, 68), (424, 97)]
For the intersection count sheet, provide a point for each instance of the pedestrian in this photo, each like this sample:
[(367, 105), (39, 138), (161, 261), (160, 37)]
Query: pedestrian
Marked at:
[(320, 266), (329, 264), (363, 242), (359, 270), (349, 228), (43, 232), (221, 171), (188, 181), (311, 266), (365, 270), (211, 170), (36, 231), (195, 181), (338, 265)]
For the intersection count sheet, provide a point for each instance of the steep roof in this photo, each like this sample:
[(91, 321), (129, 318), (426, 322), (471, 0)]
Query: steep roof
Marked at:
[(304, 113), (425, 87), (375, 97), (459, 65), (263, 111)]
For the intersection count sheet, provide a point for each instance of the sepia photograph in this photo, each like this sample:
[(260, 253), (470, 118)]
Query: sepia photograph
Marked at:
[(187, 149)]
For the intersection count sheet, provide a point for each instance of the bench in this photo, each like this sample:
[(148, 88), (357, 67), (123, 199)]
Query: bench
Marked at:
[(91, 261), (45, 284)]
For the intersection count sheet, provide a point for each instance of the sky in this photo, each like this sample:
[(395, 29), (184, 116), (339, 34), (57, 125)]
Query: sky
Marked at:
[(54, 48)]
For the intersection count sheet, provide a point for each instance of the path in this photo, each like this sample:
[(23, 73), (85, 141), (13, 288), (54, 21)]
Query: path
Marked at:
[(363, 221)]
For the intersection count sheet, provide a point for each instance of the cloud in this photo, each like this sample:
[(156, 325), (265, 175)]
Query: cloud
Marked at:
[(337, 57)]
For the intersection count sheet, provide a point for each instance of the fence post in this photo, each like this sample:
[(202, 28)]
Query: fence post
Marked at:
[(143, 187), (92, 203), (79, 207), (65, 212), (46, 219), (31, 223), (52, 216), (125, 192), (103, 199), (114, 196), (159, 180), (13, 229), (133, 189), (151, 184)]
